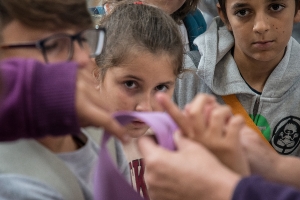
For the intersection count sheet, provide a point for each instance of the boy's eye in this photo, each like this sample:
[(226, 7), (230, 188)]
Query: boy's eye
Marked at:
[(161, 88), (242, 13), (130, 84), (276, 7), (56, 45), (51, 47), (83, 39)]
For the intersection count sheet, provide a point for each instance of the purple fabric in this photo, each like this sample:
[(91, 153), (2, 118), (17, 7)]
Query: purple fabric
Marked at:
[(109, 183), (37, 99), (255, 187)]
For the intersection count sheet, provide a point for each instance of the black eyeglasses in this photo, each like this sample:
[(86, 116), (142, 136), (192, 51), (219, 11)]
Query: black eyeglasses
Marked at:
[(60, 47)]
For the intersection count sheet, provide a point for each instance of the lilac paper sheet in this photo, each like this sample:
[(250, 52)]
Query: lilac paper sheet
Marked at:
[(109, 183)]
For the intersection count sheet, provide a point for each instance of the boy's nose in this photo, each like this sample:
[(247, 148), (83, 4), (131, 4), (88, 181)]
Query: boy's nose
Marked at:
[(261, 24)]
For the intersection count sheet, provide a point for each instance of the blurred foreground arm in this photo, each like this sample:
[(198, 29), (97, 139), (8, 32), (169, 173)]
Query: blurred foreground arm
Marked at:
[(54, 99), (194, 172), (266, 162), (189, 173)]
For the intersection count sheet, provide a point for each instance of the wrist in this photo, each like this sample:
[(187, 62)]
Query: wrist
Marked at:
[(226, 184), (274, 167)]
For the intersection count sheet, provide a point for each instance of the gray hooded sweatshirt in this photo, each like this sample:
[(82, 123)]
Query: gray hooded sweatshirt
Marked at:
[(276, 111)]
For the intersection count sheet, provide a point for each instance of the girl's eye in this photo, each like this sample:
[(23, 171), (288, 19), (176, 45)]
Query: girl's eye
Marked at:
[(130, 84), (276, 7), (242, 13), (161, 88)]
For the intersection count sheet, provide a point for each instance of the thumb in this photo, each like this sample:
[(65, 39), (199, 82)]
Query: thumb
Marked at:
[(190, 147), (147, 146), (182, 142)]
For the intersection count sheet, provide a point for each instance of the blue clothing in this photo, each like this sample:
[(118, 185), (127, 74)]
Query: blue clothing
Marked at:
[(195, 25), (98, 10)]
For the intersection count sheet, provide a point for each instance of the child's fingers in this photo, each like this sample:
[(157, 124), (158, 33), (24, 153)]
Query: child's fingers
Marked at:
[(151, 152), (218, 120), (234, 127), (176, 114), (197, 112), (89, 107), (95, 116)]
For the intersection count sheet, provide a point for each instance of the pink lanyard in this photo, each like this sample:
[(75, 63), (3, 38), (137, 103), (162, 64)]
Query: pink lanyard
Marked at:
[(109, 183)]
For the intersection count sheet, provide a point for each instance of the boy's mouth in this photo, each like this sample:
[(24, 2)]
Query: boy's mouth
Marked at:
[(264, 44), (263, 41)]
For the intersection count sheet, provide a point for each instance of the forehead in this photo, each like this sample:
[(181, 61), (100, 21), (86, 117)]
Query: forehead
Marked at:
[(147, 67), (242, 3), (167, 5), (17, 32)]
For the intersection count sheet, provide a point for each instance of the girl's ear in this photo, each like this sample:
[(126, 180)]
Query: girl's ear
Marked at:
[(96, 76), (97, 87), (223, 18)]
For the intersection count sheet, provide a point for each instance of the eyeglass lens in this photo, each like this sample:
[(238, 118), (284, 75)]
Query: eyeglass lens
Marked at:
[(58, 48), (61, 47)]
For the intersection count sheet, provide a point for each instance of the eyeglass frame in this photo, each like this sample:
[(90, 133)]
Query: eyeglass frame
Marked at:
[(40, 43)]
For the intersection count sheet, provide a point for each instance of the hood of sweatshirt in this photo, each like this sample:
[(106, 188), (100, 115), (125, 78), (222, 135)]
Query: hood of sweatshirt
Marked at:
[(219, 71)]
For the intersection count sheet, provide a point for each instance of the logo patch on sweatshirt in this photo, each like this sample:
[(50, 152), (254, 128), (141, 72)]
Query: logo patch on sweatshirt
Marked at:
[(286, 135), (262, 123)]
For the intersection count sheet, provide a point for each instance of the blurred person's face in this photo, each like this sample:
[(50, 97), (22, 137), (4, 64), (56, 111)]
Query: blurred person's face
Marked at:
[(19, 40), (0, 85), (169, 6)]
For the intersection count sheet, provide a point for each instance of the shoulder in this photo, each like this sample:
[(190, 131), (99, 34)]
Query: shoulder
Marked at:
[(188, 79), (14, 186)]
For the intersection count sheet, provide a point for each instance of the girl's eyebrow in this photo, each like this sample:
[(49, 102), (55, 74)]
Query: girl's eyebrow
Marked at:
[(134, 77), (167, 83), (141, 80)]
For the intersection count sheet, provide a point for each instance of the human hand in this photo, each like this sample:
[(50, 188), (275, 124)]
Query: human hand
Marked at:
[(267, 163), (263, 160), (191, 172), (89, 108), (212, 125)]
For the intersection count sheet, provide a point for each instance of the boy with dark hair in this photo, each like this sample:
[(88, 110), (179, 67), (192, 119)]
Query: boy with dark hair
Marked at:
[(249, 57)]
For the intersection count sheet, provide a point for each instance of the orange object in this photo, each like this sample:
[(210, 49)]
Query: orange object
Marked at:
[(237, 108)]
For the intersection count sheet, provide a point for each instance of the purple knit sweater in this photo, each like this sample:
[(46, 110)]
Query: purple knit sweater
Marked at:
[(256, 188), (37, 99)]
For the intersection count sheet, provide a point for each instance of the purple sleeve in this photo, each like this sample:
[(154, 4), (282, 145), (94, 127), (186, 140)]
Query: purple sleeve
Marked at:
[(255, 187), (37, 99)]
